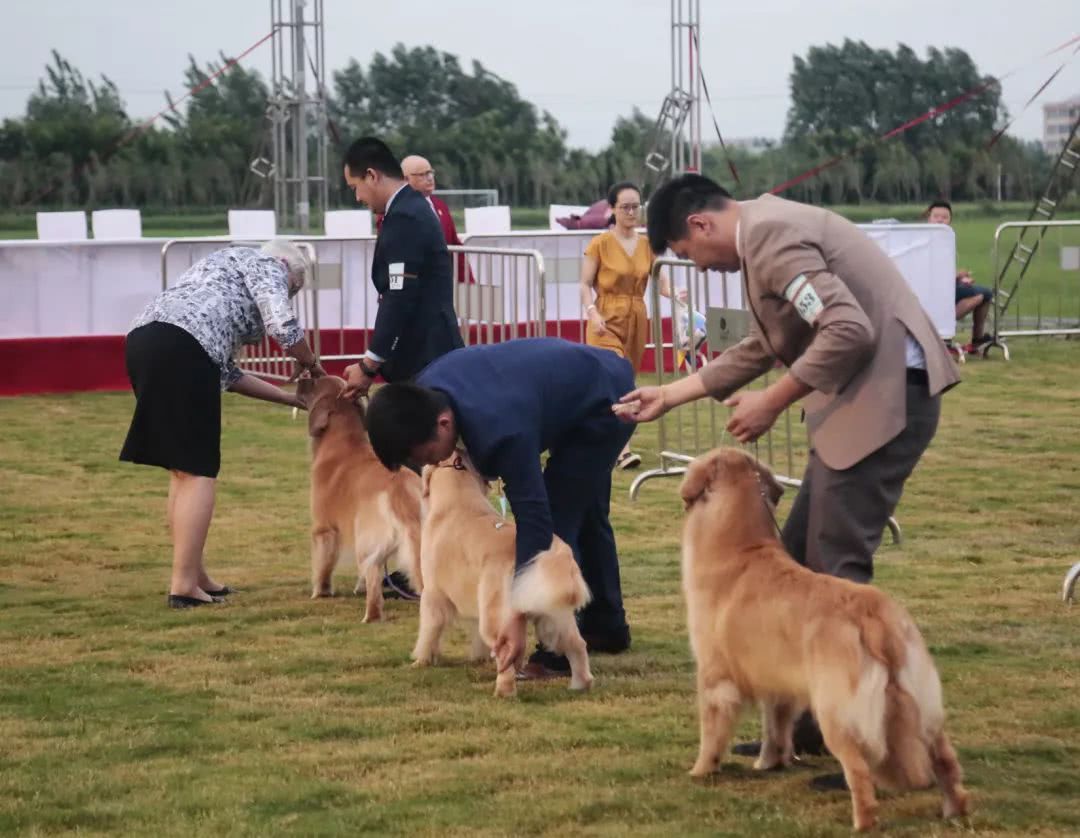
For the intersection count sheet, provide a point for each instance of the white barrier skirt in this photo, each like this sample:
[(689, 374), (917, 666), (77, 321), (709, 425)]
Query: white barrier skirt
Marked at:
[(61, 289)]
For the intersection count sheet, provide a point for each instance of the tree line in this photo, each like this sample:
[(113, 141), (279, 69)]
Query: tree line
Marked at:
[(76, 144)]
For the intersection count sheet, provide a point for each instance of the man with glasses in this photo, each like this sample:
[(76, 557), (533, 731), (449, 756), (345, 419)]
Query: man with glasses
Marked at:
[(421, 177)]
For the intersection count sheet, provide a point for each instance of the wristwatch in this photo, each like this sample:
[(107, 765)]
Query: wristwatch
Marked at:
[(368, 371)]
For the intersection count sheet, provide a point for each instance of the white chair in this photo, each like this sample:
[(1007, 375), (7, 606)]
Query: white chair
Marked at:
[(348, 224), (116, 224), (252, 224), (61, 226), (562, 211), (487, 220)]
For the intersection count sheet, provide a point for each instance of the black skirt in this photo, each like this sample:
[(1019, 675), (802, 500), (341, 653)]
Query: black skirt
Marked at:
[(177, 421)]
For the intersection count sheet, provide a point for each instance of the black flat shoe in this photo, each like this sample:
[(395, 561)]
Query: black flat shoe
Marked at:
[(178, 601), (609, 642), (829, 782), (806, 740), (222, 591)]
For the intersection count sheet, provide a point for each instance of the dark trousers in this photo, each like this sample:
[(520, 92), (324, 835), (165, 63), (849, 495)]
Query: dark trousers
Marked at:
[(578, 481), (838, 517)]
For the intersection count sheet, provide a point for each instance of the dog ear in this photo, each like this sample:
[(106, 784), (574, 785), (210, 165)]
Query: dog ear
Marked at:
[(319, 416), (305, 389), (699, 476), (425, 480), (772, 486)]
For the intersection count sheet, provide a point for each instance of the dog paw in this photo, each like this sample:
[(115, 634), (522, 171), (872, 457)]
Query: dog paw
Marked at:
[(508, 690), (373, 617), (422, 663), (703, 769), (326, 594), (581, 684)]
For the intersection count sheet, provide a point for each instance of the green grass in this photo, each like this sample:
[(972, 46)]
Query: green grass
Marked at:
[(277, 715)]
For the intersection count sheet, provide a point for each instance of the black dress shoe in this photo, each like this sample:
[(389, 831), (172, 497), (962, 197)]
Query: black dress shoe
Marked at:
[(829, 782), (178, 601), (611, 642), (225, 590)]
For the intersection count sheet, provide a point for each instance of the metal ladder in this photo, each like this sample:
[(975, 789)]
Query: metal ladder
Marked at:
[(1023, 252)]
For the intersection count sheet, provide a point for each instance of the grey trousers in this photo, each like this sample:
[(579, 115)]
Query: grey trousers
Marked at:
[(838, 517)]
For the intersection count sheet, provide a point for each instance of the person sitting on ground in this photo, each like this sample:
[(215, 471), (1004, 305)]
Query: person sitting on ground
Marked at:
[(970, 298)]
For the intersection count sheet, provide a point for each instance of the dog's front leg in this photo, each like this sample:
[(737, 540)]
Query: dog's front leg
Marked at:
[(719, 701), (374, 570), (777, 727)]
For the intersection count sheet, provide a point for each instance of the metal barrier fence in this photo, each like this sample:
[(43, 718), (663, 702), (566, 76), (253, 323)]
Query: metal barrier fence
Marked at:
[(697, 427), (1040, 323), (337, 307)]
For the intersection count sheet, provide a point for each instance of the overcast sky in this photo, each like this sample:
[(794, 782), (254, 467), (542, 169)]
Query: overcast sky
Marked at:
[(586, 61)]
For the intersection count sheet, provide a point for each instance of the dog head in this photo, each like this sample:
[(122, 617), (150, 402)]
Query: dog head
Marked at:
[(727, 466), (323, 399)]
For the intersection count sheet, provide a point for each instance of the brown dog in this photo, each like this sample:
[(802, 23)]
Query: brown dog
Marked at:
[(467, 559), (763, 628), (358, 506)]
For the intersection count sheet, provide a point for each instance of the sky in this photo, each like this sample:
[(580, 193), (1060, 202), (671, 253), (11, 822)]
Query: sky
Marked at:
[(585, 61)]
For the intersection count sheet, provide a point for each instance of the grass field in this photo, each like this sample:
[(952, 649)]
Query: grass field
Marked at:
[(277, 715)]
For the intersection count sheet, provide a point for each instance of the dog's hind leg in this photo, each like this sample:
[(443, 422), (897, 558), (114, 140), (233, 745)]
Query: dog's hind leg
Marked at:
[(324, 555), (436, 611), (478, 650), (777, 727), (719, 702), (847, 750), (949, 777), (560, 633)]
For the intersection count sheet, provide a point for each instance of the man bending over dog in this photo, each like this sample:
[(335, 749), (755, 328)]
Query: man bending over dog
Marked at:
[(508, 403), (860, 351)]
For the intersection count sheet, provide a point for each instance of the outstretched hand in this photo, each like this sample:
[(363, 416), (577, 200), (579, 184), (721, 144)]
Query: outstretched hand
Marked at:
[(510, 644), (644, 404)]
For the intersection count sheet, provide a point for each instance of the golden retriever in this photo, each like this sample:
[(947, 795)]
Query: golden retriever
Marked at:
[(467, 560), (358, 506), (763, 628)]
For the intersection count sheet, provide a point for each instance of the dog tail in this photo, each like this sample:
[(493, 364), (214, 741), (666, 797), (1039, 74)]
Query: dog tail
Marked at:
[(550, 583), (914, 714)]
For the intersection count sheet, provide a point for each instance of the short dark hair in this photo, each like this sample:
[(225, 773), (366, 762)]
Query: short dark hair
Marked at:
[(613, 193), (372, 153), (677, 199), (400, 417), (940, 203)]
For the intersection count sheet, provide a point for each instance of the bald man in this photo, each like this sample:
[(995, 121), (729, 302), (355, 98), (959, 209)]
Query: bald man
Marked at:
[(421, 177)]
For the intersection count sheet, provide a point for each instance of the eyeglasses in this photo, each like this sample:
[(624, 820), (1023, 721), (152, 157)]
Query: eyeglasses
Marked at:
[(428, 175), (628, 208)]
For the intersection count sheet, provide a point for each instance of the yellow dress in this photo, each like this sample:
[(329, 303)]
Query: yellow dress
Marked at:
[(620, 296)]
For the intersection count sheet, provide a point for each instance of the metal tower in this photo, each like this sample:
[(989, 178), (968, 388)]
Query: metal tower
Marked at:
[(298, 114), (677, 135)]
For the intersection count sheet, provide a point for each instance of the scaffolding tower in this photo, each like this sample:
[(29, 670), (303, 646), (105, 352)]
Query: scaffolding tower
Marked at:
[(297, 112), (1027, 243), (676, 142)]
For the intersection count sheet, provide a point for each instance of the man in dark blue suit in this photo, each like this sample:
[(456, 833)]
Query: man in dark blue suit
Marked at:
[(411, 269), (508, 403)]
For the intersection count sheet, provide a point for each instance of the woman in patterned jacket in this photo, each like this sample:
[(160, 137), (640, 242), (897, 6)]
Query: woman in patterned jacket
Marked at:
[(180, 355)]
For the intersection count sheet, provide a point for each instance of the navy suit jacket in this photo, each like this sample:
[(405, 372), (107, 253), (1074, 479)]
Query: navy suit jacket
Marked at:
[(512, 401), (412, 272)]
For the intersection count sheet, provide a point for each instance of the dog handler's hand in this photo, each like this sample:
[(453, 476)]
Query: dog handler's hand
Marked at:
[(510, 644), (641, 405), (754, 414), (356, 382)]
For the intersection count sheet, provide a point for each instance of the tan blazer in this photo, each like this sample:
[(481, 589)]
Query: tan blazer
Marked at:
[(832, 307)]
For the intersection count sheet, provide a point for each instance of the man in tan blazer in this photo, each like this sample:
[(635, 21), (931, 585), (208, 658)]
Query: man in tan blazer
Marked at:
[(860, 352)]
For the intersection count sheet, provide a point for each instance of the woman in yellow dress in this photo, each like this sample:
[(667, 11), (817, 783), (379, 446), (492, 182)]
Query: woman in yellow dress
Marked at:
[(616, 270)]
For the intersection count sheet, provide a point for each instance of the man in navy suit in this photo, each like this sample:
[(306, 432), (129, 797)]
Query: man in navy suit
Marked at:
[(508, 403), (411, 270)]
